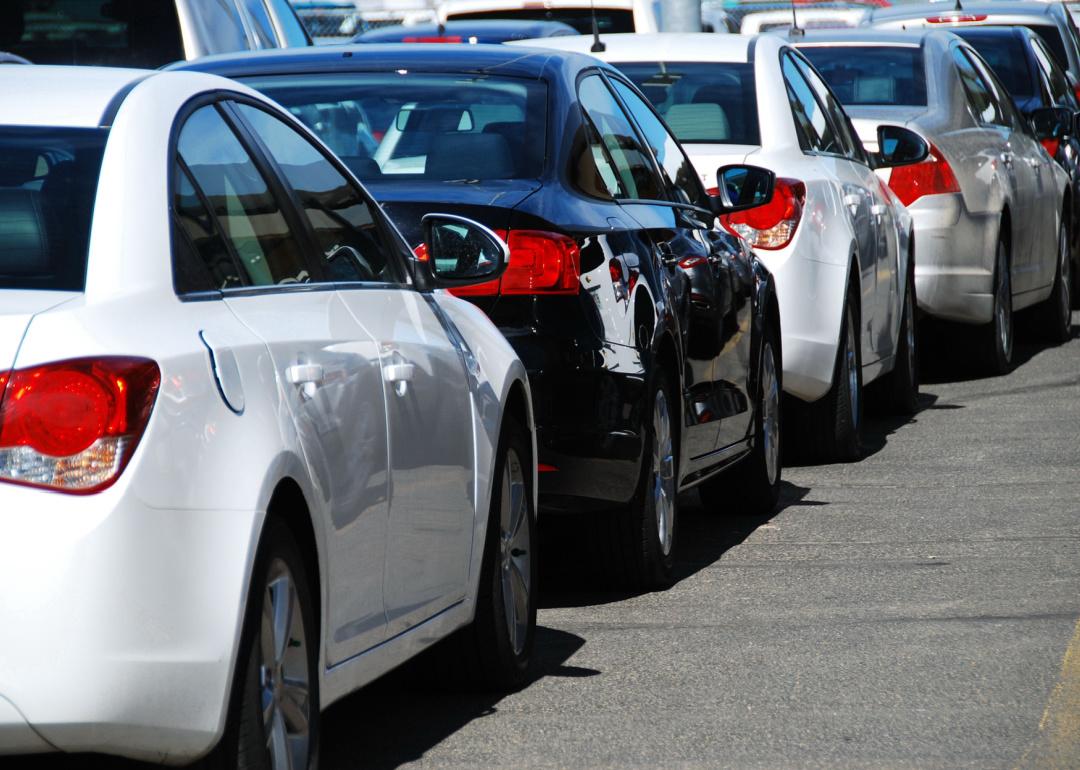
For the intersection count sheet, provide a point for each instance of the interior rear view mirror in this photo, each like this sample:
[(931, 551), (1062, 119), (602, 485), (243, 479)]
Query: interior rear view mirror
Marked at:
[(460, 252), (899, 146), (742, 187)]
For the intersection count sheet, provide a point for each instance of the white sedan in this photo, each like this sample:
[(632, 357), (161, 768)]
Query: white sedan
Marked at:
[(249, 459), (837, 240)]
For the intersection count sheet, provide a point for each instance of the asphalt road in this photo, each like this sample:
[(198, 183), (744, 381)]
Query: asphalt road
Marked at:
[(914, 610)]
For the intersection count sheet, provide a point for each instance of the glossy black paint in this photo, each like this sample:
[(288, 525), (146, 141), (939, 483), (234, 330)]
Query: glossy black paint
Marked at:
[(659, 287)]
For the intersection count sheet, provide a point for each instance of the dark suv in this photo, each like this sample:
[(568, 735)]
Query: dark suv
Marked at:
[(651, 339)]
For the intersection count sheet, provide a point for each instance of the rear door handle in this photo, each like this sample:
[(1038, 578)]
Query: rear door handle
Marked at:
[(399, 375), (1007, 158), (308, 376)]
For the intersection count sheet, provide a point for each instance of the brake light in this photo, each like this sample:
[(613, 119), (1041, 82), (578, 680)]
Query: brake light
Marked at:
[(1076, 90), (540, 263), (932, 176), (421, 253), (1051, 146), (773, 225), (72, 426), (957, 19)]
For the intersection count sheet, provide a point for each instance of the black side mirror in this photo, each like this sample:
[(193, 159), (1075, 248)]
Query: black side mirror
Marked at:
[(742, 187), (1052, 122), (899, 146), (460, 252)]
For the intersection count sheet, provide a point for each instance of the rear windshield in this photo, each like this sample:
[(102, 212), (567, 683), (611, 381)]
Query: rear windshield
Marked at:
[(1007, 56), (702, 102), (609, 20), (48, 179), (127, 33), (422, 125), (889, 75)]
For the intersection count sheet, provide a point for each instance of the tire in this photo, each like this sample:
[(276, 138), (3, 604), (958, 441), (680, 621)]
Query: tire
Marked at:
[(1057, 309), (903, 382), (492, 653), (636, 545), (268, 659), (999, 335), (831, 427), (752, 486)]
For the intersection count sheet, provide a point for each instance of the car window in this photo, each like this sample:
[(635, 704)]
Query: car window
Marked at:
[(1007, 55), (1051, 33), (982, 102), (350, 243), (217, 25), (292, 29), (250, 216), (1010, 118), (1057, 83), (591, 168), (680, 175), (872, 75), (638, 178), (202, 260), (850, 145), (261, 23), (608, 20), (815, 132)]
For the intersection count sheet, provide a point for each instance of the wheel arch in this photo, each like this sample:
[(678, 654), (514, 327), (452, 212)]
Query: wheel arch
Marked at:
[(289, 506)]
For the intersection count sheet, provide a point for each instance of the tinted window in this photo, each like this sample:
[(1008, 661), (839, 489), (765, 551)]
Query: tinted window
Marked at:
[(632, 162), (1004, 103), (981, 100), (701, 102), (121, 33), (345, 230), (678, 171), (872, 74), (241, 201), (1007, 56), (815, 132), (1057, 83), (260, 19), (834, 111), (1052, 35), (291, 28), (422, 125), (48, 180), (592, 168), (608, 20), (202, 260)]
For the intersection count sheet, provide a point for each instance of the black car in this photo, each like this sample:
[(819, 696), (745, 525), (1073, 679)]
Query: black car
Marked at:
[(652, 340), (1035, 79), (481, 31)]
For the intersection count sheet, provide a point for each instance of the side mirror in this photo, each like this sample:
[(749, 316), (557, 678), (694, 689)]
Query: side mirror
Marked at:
[(1076, 124), (461, 252), (1052, 122), (899, 146), (742, 187)]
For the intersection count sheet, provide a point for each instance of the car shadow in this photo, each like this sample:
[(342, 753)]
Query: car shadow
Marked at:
[(570, 575)]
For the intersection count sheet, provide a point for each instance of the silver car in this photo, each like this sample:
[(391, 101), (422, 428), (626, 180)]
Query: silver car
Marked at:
[(144, 33), (990, 235)]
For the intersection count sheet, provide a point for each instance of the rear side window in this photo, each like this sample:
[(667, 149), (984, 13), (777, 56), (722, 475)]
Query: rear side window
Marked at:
[(1057, 83), (869, 75), (816, 133), (982, 101), (704, 103), (1052, 35), (120, 33), (48, 182), (1007, 56)]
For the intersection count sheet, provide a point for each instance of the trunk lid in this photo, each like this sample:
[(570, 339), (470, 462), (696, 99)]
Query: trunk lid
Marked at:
[(17, 308)]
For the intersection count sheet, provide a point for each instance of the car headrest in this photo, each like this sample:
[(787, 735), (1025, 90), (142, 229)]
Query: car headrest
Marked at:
[(24, 245), (438, 119), (705, 121), (460, 155), (874, 90), (364, 168)]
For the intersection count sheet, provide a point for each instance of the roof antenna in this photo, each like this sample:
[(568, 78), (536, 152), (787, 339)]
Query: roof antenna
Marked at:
[(598, 44), (959, 6), (796, 30)]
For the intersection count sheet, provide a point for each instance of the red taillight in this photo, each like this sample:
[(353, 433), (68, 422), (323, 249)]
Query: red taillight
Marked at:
[(1076, 90), (932, 176), (431, 39), (421, 253), (773, 225), (72, 426), (956, 19), (1051, 146), (713, 192), (540, 263)]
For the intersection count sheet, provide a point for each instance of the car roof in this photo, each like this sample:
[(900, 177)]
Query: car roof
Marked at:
[(992, 8), (662, 46), (483, 27), (77, 96), (434, 57)]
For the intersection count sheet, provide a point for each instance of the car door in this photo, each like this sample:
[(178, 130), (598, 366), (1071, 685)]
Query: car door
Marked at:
[(328, 368), (718, 337), (424, 385)]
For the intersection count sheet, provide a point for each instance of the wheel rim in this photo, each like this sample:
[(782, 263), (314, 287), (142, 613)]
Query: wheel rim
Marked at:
[(1004, 304), (284, 682), (770, 424), (1065, 273), (663, 473), (852, 370), (515, 552)]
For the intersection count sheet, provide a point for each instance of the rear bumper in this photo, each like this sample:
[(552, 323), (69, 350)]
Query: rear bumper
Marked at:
[(120, 623)]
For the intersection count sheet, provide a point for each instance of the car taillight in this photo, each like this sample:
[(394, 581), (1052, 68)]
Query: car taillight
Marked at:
[(1051, 146), (932, 176), (1076, 90), (956, 19), (773, 225), (540, 263), (72, 426)]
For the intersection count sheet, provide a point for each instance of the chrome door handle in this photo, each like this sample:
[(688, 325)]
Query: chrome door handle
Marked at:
[(878, 209), (308, 376), (852, 199), (1007, 158), (399, 375)]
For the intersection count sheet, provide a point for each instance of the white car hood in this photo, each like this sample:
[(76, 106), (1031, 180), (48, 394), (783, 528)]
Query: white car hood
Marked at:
[(17, 307), (707, 158)]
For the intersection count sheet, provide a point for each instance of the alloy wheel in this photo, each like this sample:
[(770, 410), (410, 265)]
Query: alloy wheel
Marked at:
[(284, 684), (663, 473), (770, 422), (515, 551)]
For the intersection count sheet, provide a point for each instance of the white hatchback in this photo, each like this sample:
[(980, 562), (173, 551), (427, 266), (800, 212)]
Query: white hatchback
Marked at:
[(837, 240), (249, 459)]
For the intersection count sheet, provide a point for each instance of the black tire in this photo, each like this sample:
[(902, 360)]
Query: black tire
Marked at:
[(628, 540), (247, 742), (999, 335), (1057, 309), (752, 486), (830, 429), (903, 382), (486, 655)]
